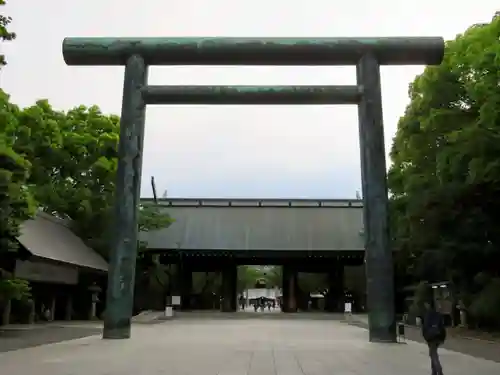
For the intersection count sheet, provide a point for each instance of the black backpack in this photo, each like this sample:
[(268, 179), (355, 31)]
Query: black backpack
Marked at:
[(433, 327)]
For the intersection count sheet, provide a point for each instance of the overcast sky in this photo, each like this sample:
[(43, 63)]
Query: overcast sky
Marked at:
[(236, 151)]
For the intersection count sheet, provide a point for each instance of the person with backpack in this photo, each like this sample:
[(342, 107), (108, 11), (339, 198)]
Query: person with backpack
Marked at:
[(434, 333)]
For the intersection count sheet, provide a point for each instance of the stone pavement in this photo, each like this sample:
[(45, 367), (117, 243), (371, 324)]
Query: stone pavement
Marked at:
[(23, 336), (237, 347), (479, 348)]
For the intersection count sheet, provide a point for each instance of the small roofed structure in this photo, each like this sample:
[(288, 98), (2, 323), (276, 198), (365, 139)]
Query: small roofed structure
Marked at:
[(59, 266), (49, 238)]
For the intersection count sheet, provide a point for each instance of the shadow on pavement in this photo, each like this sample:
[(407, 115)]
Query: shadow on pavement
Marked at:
[(474, 347), (27, 337)]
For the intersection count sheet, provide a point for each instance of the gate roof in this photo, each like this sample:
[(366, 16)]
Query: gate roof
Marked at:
[(259, 224)]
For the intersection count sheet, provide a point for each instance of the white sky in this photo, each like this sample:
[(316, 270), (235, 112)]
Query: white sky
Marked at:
[(202, 151)]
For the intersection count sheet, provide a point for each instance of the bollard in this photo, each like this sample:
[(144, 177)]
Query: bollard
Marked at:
[(169, 312), (401, 332)]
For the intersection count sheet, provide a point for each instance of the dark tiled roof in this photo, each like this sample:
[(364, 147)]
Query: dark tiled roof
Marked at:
[(50, 238)]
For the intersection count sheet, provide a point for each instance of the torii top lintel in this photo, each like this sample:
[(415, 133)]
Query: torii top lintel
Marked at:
[(254, 51)]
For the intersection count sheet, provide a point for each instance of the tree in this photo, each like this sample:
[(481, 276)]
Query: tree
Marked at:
[(5, 34), (445, 177), (64, 161), (274, 276), (16, 202), (248, 277), (74, 159), (151, 273), (73, 165)]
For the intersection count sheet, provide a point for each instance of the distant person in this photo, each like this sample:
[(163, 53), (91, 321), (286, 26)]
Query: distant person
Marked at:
[(242, 303), (434, 333)]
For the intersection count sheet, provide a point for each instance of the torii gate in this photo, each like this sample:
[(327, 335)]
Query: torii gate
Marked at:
[(137, 54)]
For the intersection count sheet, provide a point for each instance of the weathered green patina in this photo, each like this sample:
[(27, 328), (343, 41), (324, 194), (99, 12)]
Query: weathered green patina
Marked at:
[(366, 53), (252, 51), (252, 95), (379, 264), (120, 293)]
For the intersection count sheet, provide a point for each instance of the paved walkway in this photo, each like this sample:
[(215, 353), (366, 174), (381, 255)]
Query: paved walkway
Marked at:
[(16, 337), (237, 347), (467, 345)]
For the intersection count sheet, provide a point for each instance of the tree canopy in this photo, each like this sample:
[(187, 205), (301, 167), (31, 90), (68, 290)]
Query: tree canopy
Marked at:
[(73, 159), (445, 177), (16, 201), (5, 33), (64, 163)]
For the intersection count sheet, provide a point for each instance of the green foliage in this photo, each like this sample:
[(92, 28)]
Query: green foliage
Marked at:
[(73, 161), (274, 276), (73, 165), (16, 201), (486, 305), (66, 162), (13, 288), (445, 177), (422, 294), (5, 34), (152, 217), (248, 276)]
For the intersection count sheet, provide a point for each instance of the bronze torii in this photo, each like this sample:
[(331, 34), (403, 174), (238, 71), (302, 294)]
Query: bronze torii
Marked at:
[(136, 54)]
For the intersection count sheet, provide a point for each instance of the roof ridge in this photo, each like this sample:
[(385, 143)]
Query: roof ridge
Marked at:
[(56, 220)]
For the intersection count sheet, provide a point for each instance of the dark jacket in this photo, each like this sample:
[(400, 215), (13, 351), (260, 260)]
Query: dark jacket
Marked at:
[(432, 320)]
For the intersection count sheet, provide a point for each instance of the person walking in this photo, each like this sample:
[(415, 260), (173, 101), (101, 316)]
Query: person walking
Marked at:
[(434, 333)]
